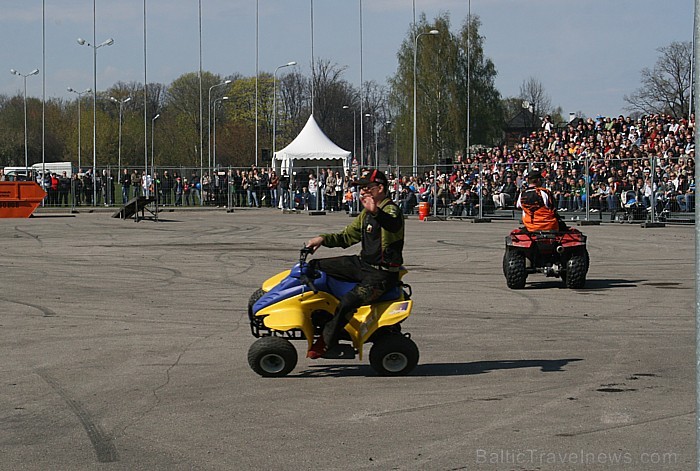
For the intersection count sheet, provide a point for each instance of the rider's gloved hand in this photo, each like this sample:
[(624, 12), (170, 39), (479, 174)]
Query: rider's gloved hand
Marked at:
[(314, 243)]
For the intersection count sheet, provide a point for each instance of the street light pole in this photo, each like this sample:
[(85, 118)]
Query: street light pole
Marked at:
[(214, 106), (153, 125), (80, 95), (274, 104), (354, 133), (94, 47), (469, 73), (225, 82), (415, 130), (362, 130), (368, 115), (387, 141), (26, 153), (121, 104)]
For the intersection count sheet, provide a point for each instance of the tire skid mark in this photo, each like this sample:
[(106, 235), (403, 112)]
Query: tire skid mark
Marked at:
[(154, 391), (456, 402), (45, 310), (35, 237), (620, 426), (102, 443)]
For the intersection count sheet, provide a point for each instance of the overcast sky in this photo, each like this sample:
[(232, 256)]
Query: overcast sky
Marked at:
[(588, 54)]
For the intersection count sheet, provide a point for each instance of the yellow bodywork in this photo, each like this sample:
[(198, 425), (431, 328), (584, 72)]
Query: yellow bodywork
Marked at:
[(295, 313), (275, 280)]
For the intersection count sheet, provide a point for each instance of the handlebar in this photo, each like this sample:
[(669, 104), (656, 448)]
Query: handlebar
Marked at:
[(304, 278)]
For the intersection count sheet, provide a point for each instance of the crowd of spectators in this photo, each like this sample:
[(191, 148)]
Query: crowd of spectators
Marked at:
[(650, 159)]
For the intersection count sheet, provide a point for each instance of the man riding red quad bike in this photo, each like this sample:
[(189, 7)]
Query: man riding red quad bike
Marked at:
[(545, 244), (556, 254)]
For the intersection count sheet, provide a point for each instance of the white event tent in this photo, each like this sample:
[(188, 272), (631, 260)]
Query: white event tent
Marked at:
[(311, 148)]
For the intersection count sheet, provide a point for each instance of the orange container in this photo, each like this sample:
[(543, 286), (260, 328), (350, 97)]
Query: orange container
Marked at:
[(19, 199), (423, 210)]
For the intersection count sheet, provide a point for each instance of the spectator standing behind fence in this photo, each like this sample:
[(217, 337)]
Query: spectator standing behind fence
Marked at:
[(313, 192), (146, 184), (283, 191), (54, 189), (339, 191), (87, 187), (195, 188), (322, 190), (63, 189), (238, 190), (166, 187), (273, 183), (135, 183), (330, 191), (179, 190), (264, 187), (76, 189), (126, 185)]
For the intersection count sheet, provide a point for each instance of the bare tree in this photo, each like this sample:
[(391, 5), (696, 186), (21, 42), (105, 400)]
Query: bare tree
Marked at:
[(666, 87), (533, 91)]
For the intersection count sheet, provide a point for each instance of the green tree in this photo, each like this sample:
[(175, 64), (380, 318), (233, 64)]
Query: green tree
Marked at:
[(485, 111), (446, 65)]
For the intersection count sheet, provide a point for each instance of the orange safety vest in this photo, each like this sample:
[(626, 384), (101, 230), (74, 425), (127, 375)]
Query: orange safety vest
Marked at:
[(538, 214)]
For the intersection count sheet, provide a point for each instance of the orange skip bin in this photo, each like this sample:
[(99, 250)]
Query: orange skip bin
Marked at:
[(19, 199)]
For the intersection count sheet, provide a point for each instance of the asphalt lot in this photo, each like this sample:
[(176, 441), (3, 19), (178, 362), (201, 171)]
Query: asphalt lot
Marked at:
[(124, 347)]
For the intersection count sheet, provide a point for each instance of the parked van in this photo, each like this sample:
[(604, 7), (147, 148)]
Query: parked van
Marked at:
[(20, 173)]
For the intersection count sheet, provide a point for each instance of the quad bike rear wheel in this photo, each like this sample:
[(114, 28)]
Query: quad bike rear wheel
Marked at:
[(393, 355), (272, 357), (514, 269), (576, 269)]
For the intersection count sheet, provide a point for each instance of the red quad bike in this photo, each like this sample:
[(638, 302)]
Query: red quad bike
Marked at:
[(556, 254)]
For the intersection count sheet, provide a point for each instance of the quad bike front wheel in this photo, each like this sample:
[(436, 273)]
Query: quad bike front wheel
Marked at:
[(257, 294), (272, 357), (514, 269), (393, 355), (576, 270)]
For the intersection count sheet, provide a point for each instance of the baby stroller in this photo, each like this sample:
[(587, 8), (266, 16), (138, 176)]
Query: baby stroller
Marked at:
[(632, 209)]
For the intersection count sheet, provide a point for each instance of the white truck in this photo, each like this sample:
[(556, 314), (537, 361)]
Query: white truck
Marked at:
[(20, 173)]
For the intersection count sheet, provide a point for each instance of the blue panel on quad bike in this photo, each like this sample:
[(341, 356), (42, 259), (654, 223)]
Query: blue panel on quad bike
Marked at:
[(289, 287)]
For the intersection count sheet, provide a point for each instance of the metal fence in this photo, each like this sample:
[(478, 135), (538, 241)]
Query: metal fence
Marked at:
[(607, 190)]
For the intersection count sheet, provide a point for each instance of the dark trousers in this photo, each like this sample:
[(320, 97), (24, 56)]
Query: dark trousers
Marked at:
[(372, 283)]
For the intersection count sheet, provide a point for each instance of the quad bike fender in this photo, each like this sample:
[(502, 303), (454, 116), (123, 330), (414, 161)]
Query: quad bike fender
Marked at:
[(295, 313), (519, 239), (573, 238), (275, 280), (368, 319)]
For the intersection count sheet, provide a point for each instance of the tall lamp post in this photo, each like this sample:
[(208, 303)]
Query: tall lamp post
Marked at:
[(274, 104), (387, 141), (369, 163), (80, 95), (121, 105), (354, 133), (156, 187), (218, 100), (415, 131), (225, 82), (26, 153), (153, 125), (83, 42)]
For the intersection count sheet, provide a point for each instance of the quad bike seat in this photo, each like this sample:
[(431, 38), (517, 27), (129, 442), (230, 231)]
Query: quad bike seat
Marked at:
[(340, 287)]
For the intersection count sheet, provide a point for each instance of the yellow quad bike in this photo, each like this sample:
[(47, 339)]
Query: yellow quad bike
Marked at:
[(295, 305)]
